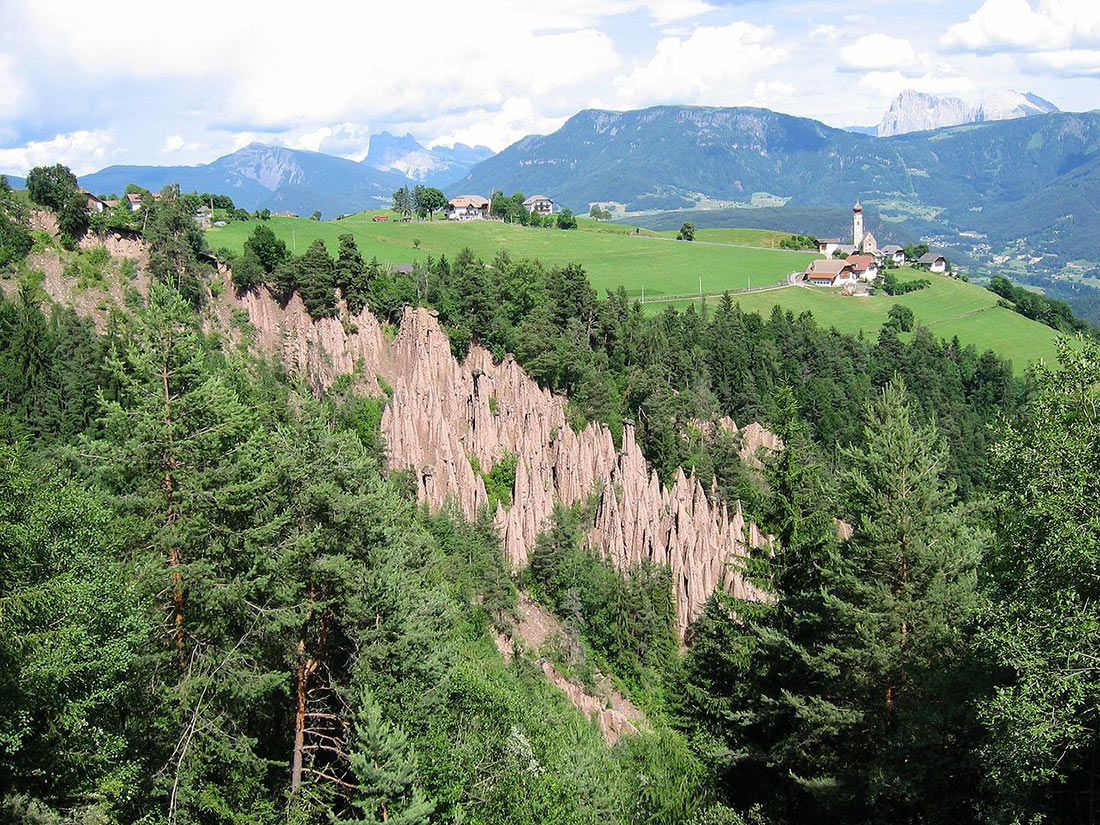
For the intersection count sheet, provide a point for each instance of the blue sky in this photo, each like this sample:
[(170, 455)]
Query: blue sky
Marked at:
[(123, 81)]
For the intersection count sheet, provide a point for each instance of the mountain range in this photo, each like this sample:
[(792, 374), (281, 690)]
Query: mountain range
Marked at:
[(438, 166), (1035, 177), (261, 176), (1002, 178), (916, 111)]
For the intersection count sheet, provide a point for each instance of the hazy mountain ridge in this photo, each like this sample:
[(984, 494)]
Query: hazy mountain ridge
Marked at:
[(913, 111), (438, 166), (263, 176)]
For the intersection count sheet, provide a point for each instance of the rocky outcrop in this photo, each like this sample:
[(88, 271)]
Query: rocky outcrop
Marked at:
[(319, 351), (443, 415), (534, 630)]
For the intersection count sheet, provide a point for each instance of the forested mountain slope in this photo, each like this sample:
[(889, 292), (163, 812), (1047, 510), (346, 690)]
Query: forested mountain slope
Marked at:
[(670, 157)]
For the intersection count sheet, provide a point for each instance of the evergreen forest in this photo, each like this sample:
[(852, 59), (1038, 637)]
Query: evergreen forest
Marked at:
[(218, 605)]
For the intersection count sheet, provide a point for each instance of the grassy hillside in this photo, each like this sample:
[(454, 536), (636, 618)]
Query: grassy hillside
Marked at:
[(725, 259), (948, 307), (653, 262)]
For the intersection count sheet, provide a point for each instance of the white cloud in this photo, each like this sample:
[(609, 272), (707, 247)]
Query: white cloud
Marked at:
[(516, 118), (1066, 62), (82, 151), (891, 65), (891, 84), (12, 88), (712, 65), (1061, 37), (669, 11), (770, 91), (825, 32), (880, 52), (273, 67), (1015, 24), (176, 143)]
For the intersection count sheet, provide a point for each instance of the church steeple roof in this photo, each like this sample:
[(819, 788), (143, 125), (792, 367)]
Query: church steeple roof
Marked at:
[(858, 207)]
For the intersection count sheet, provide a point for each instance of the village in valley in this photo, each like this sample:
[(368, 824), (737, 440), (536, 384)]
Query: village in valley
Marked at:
[(855, 267)]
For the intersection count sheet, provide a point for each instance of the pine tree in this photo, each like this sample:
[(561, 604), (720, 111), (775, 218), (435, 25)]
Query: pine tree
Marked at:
[(384, 766), (175, 241), (904, 592), (762, 676), (182, 453), (316, 281), (349, 275)]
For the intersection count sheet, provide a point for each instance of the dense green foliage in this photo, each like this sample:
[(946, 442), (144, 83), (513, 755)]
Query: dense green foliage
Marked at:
[(15, 238), (1050, 311), (892, 285), (841, 692), (627, 619), (55, 188), (1042, 615), (799, 242), (217, 607)]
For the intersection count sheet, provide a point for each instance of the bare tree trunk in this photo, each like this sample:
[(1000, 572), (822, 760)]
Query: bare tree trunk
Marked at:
[(302, 685), (307, 667), (171, 516)]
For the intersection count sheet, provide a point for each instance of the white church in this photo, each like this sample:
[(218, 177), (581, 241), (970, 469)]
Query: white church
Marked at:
[(862, 240)]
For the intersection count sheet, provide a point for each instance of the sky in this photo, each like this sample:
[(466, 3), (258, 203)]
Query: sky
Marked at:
[(129, 81)]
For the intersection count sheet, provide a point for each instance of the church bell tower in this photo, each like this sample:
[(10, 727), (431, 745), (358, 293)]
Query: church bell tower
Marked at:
[(857, 225)]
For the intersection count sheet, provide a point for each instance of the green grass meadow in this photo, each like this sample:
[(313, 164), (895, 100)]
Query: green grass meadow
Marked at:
[(948, 307), (655, 264)]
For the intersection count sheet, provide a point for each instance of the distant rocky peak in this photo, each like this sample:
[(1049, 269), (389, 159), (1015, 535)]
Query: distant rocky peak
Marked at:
[(914, 111), (1008, 104), (270, 166), (436, 166)]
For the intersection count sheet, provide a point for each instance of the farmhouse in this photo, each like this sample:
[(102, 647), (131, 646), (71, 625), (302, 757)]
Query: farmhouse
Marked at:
[(865, 267), (539, 204), (830, 272), (284, 214), (894, 253), (93, 203), (827, 246), (468, 208), (934, 262), (135, 200)]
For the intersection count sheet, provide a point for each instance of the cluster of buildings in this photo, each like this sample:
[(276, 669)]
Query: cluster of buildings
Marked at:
[(858, 263), (476, 208), (98, 204)]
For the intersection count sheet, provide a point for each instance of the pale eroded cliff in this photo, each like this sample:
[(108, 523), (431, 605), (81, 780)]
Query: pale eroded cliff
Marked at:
[(443, 413)]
